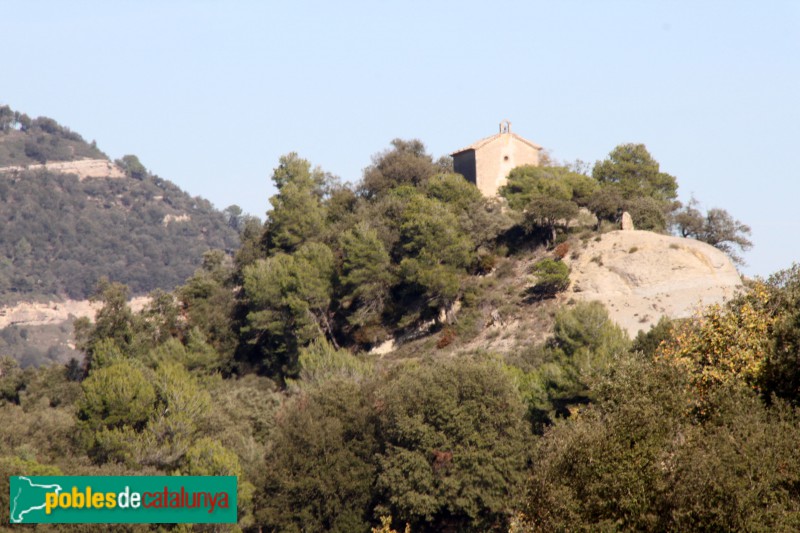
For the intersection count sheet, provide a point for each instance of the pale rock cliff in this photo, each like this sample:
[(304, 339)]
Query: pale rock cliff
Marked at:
[(641, 276)]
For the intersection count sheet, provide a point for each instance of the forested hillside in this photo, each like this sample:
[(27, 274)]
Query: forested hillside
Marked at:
[(263, 366), (61, 234)]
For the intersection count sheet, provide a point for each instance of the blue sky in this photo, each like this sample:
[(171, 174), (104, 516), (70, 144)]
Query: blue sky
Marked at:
[(210, 94)]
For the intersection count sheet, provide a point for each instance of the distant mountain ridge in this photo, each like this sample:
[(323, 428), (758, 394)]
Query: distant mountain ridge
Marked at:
[(62, 232)]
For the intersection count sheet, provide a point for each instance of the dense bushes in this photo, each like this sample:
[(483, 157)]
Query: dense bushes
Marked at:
[(439, 446), (455, 446), (349, 266), (636, 461), (555, 378), (255, 367), (628, 180), (61, 235)]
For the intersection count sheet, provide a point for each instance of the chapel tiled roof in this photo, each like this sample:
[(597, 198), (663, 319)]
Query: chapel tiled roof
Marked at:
[(483, 142)]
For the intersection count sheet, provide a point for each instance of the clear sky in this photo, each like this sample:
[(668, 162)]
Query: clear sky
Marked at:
[(210, 94)]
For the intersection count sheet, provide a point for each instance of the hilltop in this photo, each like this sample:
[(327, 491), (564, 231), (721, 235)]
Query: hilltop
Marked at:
[(407, 350), (26, 141), (71, 216)]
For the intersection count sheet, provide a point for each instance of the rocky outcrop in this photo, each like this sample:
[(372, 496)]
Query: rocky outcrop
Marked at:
[(641, 276), (627, 222), (54, 312), (84, 168), (175, 218)]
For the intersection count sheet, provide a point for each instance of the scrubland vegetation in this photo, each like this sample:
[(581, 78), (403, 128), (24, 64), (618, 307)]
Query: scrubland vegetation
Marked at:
[(61, 235), (260, 366)]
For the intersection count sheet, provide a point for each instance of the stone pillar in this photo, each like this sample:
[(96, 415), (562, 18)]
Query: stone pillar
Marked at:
[(627, 221)]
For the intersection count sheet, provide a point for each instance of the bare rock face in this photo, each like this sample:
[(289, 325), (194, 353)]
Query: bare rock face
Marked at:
[(55, 312), (627, 222), (641, 276), (83, 168)]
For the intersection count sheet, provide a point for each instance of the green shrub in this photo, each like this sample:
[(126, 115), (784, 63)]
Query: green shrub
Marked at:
[(647, 343), (647, 214), (552, 277), (454, 446)]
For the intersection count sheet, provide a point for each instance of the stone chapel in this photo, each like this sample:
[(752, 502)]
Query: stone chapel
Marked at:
[(487, 162)]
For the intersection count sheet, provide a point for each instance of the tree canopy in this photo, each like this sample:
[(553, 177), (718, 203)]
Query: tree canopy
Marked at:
[(61, 235), (497, 407), (634, 172), (630, 180), (717, 227)]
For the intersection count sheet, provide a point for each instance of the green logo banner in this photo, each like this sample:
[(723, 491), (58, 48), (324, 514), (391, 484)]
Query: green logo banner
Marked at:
[(122, 499)]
